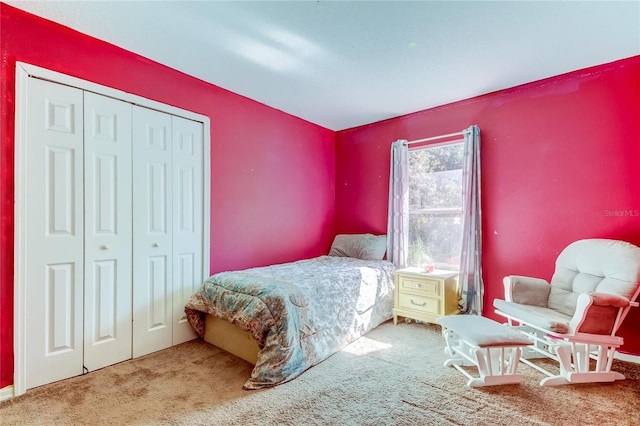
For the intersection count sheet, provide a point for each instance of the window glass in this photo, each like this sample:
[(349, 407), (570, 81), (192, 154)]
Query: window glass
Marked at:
[(435, 206)]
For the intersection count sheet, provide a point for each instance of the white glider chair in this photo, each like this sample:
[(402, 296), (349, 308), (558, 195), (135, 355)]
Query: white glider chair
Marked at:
[(574, 319)]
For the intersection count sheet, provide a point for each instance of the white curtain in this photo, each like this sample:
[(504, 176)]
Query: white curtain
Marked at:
[(471, 286), (398, 220)]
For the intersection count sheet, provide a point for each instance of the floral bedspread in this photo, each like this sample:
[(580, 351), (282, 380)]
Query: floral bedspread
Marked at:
[(300, 313)]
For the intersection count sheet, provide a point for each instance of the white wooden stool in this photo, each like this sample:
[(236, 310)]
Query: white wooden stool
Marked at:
[(492, 347)]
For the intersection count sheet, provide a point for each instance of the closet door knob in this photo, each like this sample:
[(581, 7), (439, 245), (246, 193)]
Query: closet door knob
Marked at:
[(156, 245), (104, 247)]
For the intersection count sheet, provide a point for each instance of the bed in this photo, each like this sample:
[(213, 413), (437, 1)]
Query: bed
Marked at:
[(289, 317)]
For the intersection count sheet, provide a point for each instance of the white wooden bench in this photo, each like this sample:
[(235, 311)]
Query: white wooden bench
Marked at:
[(492, 347)]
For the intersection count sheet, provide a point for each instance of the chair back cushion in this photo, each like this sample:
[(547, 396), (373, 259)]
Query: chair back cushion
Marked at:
[(594, 266)]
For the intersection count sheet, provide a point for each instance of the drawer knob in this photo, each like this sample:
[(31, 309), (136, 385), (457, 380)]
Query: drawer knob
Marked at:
[(418, 285), (418, 304)]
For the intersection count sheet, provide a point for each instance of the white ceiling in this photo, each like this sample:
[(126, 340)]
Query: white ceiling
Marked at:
[(342, 64)]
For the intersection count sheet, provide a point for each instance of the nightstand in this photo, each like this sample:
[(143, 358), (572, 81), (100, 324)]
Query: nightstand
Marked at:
[(425, 296)]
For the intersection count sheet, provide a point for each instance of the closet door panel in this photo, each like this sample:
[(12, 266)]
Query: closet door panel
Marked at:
[(187, 220), (152, 231), (108, 231), (54, 235)]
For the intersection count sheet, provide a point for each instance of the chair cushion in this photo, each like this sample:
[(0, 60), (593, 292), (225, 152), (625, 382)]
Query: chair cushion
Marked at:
[(542, 317), (594, 265)]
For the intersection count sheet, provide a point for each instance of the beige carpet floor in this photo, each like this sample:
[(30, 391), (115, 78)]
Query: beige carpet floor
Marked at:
[(392, 376)]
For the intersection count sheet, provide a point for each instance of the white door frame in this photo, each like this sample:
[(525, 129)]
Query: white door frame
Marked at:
[(25, 71)]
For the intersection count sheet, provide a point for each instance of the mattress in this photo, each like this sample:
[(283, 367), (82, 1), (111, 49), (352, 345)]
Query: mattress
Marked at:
[(299, 313)]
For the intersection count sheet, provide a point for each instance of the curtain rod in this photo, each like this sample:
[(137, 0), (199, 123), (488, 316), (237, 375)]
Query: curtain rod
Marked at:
[(436, 138)]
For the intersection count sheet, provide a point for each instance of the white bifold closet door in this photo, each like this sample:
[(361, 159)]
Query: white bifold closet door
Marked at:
[(167, 223), (107, 231), (79, 232), (152, 231), (114, 230), (188, 219), (54, 276)]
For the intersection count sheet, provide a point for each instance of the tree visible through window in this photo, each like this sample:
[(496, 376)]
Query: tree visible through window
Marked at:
[(435, 206)]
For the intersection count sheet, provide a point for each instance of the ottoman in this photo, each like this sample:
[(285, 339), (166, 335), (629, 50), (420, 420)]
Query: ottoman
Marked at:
[(492, 347)]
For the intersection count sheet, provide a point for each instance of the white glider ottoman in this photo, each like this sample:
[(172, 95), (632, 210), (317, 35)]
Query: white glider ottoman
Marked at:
[(492, 347)]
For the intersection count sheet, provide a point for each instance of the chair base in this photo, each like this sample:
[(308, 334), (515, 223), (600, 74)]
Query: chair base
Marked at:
[(574, 359), (573, 378)]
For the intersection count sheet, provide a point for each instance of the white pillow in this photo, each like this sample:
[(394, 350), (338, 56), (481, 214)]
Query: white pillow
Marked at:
[(360, 246)]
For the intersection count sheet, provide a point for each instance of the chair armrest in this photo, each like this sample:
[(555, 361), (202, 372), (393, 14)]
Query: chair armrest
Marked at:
[(605, 299), (598, 313), (526, 290)]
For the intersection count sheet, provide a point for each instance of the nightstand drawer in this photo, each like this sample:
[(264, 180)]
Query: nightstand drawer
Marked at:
[(425, 286), (419, 303)]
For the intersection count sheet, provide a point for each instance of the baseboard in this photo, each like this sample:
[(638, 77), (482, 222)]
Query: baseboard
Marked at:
[(6, 393), (629, 358)]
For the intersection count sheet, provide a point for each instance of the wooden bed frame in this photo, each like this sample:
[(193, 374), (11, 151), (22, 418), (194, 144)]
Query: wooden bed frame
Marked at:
[(231, 338)]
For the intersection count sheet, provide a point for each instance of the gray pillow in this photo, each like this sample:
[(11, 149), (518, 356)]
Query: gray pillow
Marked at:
[(360, 246)]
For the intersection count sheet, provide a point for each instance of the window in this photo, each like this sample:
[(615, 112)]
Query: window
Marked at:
[(435, 206)]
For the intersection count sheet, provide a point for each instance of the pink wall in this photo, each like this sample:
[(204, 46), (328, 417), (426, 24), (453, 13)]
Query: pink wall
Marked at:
[(559, 163), (272, 183)]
